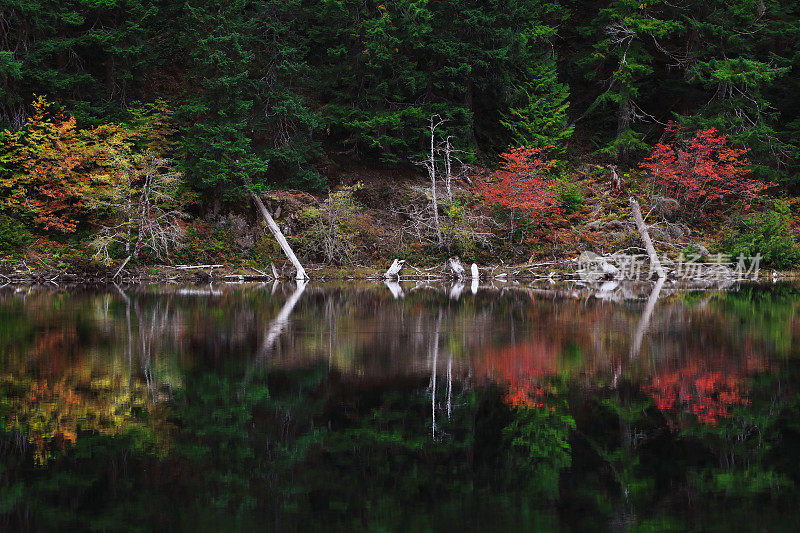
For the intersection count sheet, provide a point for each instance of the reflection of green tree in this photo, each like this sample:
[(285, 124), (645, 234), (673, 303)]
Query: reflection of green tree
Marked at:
[(99, 482), (764, 313), (219, 443), (743, 444), (309, 448), (537, 439), (374, 465)]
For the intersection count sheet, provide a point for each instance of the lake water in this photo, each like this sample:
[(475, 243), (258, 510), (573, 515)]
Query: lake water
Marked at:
[(400, 408)]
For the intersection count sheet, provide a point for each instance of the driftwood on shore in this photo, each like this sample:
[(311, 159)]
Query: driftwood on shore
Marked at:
[(626, 265), (394, 270)]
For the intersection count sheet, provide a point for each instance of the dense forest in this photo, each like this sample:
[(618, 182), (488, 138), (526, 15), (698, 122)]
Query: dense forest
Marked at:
[(191, 105)]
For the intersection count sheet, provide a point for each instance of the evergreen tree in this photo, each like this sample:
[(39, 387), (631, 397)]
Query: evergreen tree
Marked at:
[(288, 125), (216, 143), (90, 55), (733, 59), (626, 37), (541, 118)]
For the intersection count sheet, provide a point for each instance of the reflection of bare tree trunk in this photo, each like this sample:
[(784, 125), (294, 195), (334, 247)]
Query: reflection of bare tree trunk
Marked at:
[(130, 335), (275, 329), (456, 290), (433, 373), (279, 322), (394, 288), (644, 321), (449, 386), (330, 313), (150, 331)]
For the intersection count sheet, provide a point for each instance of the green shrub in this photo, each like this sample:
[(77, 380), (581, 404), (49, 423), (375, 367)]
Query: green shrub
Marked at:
[(13, 235), (265, 250), (768, 234), (570, 196), (331, 230)]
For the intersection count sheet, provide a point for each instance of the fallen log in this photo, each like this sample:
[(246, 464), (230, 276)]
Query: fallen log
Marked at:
[(193, 267)]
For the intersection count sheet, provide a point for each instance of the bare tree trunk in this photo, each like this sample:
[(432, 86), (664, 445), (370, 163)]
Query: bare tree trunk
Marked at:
[(624, 118), (616, 182), (655, 264), (448, 168), (276, 231), (431, 166)]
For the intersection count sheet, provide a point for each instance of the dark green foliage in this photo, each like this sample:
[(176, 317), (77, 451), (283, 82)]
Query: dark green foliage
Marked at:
[(539, 118), (265, 90), (768, 234), (538, 441), (621, 60), (92, 55), (737, 67), (13, 235), (216, 142), (386, 67)]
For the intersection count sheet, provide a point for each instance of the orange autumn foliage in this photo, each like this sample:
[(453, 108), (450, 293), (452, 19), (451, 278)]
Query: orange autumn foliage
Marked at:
[(522, 183), (41, 173)]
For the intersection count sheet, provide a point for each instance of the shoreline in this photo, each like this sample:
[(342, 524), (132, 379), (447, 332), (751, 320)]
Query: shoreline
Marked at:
[(21, 274)]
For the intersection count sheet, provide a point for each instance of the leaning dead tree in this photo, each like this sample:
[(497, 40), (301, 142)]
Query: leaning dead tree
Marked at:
[(655, 264), (278, 234)]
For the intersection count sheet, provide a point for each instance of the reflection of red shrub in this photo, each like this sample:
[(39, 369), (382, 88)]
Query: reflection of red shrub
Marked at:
[(519, 367), (709, 395), (526, 395)]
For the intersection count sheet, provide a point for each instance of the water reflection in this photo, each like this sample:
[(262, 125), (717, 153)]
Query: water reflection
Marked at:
[(557, 403)]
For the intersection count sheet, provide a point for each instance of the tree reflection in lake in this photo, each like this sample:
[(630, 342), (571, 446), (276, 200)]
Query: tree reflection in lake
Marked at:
[(408, 407)]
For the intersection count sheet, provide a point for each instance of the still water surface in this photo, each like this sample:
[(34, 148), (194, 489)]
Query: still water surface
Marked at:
[(401, 408)]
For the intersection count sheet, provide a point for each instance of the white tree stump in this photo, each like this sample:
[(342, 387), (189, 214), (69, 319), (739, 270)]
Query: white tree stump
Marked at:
[(457, 267), (394, 269)]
